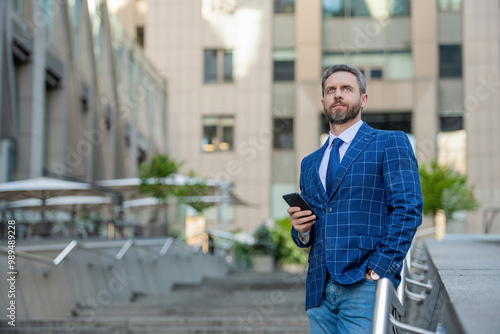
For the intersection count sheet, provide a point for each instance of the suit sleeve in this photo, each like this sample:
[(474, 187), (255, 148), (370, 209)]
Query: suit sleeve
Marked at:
[(404, 205), (295, 233)]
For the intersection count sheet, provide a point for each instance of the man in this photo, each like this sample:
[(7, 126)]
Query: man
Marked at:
[(364, 187)]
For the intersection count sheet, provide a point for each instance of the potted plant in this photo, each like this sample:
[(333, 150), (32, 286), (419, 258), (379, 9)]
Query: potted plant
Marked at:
[(263, 250)]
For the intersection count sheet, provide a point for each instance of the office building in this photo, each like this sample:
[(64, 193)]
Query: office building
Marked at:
[(79, 98)]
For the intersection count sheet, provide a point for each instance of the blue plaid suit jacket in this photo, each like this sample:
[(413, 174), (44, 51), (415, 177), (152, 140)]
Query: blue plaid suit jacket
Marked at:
[(372, 215)]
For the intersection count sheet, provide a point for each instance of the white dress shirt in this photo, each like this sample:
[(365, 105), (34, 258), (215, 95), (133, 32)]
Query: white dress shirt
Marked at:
[(347, 136)]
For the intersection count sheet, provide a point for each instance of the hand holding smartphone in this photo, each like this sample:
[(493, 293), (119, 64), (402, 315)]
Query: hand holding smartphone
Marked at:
[(294, 199)]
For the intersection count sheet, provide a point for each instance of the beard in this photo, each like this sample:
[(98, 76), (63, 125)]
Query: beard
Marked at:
[(341, 117)]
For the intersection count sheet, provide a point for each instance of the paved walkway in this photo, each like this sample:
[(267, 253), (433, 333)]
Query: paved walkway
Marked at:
[(469, 268)]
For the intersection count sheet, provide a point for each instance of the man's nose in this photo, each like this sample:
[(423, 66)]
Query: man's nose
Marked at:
[(337, 94)]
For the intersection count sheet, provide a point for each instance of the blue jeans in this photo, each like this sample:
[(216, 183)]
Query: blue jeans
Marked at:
[(344, 309)]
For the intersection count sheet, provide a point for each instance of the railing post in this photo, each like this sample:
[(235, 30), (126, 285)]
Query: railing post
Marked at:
[(383, 306), (65, 252), (124, 249)]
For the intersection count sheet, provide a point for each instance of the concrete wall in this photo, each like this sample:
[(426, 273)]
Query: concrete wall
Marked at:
[(92, 278)]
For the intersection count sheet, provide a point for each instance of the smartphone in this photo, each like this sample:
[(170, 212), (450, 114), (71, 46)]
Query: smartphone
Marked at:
[(294, 199)]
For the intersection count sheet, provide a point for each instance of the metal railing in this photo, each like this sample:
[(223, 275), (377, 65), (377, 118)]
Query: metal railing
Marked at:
[(388, 307), (389, 304), (95, 247)]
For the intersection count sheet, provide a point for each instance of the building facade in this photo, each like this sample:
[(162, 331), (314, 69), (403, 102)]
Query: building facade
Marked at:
[(244, 86), (79, 98)]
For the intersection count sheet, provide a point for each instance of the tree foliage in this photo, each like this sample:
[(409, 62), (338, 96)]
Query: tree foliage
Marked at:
[(287, 251), (192, 192), (156, 174), (445, 189), (154, 177), (264, 243)]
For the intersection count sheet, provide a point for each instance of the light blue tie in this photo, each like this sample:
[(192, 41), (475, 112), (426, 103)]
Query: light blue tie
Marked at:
[(333, 165)]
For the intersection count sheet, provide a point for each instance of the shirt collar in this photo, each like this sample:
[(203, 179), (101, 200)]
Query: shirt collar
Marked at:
[(348, 135)]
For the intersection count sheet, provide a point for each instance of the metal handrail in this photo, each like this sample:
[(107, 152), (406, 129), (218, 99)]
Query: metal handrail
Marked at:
[(124, 249), (386, 301), (65, 252), (427, 286), (94, 247), (164, 249)]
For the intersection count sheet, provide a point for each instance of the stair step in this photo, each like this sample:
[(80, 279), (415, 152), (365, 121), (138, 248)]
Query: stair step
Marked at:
[(238, 303)]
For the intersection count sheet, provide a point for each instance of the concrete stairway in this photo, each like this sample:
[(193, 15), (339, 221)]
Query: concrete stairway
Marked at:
[(239, 303)]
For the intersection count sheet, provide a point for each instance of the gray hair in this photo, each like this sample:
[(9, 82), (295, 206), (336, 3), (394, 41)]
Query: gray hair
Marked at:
[(344, 68)]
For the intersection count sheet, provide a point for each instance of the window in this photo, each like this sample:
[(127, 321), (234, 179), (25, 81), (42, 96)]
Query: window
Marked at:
[(399, 8), (17, 6), (284, 6), (376, 73), (389, 65), (218, 133), (140, 35), (450, 5), (389, 121), (283, 65), (218, 65), (48, 9), (451, 123), (283, 133), (366, 8), (333, 8), (450, 61)]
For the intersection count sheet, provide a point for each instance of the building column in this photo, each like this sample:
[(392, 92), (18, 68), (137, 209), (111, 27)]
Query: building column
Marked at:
[(308, 51), (426, 71), (37, 107)]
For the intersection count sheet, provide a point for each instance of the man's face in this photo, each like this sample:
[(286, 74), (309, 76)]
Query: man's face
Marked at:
[(342, 101)]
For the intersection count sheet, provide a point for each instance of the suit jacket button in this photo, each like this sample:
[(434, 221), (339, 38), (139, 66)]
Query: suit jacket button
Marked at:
[(330, 210)]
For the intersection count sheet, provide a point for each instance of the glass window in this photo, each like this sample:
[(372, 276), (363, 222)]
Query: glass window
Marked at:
[(228, 65), (218, 65), (376, 73), (210, 65), (399, 7), (140, 35), (17, 6), (395, 65), (284, 6), (218, 133), (389, 121), (361, 8), (283, 133), (450, 61), (284, 65), (284, 70), (333, 8), (48, 17), (380, 9), (453, 123), (450, 5)]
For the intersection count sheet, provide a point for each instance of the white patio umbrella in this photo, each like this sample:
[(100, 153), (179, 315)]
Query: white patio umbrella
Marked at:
[(131, 185), (64, 203), (43, 188)]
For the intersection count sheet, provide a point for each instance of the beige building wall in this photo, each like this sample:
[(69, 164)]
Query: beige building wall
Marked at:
[(181, 32), (177, 33), (482, 106)]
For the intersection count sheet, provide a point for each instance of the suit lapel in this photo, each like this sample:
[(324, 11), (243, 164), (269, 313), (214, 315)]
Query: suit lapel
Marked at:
[(364, 136)]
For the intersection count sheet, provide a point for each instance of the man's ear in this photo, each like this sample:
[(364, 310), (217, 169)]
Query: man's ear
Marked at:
[(364, 100)]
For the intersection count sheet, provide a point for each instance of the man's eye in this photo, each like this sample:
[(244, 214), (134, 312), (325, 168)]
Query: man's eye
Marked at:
[(347, 89)]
